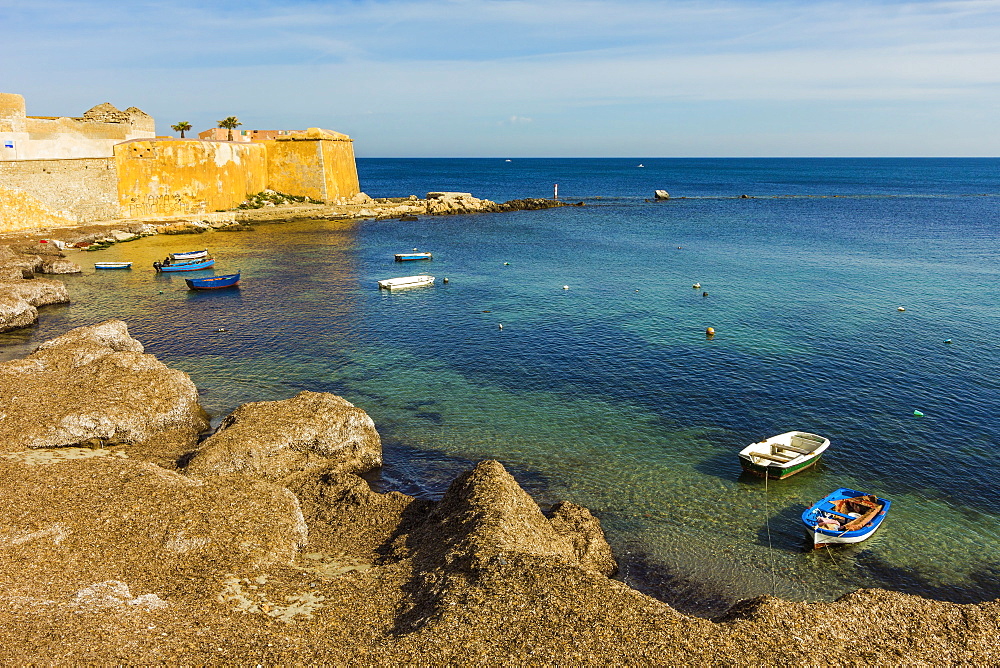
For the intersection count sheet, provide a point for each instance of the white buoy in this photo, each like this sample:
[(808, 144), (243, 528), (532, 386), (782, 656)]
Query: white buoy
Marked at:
[(500, 326)]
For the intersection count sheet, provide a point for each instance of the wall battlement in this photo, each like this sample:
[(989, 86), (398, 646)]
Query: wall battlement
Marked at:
[(92, 135)]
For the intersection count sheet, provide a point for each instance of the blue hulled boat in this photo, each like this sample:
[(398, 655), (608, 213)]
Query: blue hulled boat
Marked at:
[(193, 265), (845, 516), (213, 282), (405, 257)]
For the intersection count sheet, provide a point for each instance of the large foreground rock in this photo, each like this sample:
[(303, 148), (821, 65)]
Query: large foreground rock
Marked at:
[(273, 439), (94, 385), (76, 518)]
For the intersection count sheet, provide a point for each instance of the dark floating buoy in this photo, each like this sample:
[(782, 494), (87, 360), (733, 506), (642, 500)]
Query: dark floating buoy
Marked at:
[(704, 294), (444, 280)]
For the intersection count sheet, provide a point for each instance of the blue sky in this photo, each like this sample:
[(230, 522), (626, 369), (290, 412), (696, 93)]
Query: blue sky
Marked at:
[(521, 78)]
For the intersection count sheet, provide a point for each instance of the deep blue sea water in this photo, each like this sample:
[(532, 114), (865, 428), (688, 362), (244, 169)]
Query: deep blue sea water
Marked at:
[(608, 393)]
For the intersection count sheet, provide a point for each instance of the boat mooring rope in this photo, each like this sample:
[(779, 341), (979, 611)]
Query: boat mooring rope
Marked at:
[(770, 549)]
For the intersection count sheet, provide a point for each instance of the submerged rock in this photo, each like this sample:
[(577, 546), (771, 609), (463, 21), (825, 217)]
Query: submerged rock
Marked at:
[(273, 439)]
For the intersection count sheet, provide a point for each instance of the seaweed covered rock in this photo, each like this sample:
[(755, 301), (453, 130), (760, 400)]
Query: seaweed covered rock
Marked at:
[(19, 299), (274, 439), (485, 517), (15, 313), (74, 518), (95, 386)]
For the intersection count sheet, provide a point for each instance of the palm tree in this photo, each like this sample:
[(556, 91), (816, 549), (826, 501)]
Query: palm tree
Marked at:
[(181, 127), (230, 123)]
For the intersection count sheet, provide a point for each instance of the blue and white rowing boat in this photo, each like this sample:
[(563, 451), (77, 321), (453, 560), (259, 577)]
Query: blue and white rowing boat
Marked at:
[(845, 516), (405, 257), (193, 265)]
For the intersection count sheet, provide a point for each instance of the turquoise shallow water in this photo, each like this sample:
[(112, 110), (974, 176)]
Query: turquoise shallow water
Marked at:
[(608, 393)]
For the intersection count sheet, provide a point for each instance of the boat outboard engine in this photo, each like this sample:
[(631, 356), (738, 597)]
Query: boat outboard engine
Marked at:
[(157, 265)]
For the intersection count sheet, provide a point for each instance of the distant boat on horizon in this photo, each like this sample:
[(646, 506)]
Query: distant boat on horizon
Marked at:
[(641, 165)]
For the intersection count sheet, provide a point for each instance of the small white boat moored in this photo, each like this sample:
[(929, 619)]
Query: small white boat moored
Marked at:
[(405, 282), (783, 455), (112, 265), (189, 255)]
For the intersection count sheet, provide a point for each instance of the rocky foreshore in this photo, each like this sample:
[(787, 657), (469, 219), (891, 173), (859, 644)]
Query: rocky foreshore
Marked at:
[(129, 536), (125, 539)]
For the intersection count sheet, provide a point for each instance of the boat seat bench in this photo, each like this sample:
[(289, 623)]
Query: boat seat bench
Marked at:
[(774, 458), (793, 448)]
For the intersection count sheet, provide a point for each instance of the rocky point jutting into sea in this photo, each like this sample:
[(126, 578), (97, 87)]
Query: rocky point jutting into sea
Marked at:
[(129, 536)]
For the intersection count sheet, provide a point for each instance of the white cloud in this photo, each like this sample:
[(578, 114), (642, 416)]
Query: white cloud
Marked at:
[(396, 69)]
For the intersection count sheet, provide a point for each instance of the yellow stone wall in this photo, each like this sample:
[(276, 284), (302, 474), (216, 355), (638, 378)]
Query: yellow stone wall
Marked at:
[(187, 176), (340, 170), (152, 178), (316, 163), (51, 193), (20, 211)]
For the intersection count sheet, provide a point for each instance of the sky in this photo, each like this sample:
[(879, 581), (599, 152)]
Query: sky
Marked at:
[(531, 78)]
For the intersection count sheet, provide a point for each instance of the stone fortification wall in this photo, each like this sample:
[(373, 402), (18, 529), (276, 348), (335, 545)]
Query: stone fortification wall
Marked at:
[(92, 135), (187, 176), (37, 194), (317, 163)]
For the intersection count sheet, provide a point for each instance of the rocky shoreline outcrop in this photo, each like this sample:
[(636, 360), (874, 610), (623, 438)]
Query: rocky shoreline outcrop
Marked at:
[(123, 539)]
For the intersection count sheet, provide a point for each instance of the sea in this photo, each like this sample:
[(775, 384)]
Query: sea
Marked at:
[(858, 299)]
